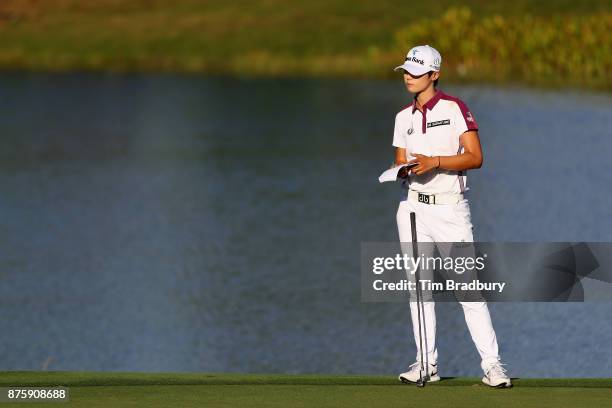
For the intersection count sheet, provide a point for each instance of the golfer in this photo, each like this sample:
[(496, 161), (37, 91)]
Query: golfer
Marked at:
[(439, 134)]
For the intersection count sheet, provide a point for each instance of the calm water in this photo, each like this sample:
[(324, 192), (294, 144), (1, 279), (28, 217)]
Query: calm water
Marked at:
[(160, 223)]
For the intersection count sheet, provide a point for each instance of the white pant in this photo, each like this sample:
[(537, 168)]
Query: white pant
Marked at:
[(446, 223)]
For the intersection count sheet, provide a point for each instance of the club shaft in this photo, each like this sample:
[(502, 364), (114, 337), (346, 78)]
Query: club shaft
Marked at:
[(420, 310)]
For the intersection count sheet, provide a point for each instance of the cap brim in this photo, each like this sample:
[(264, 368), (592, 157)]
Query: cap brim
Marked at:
[(414, 69)]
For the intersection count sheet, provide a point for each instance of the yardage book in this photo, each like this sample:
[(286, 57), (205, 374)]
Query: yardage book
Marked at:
[(391, 174)]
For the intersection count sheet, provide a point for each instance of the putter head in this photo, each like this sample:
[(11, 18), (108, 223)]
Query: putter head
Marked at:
[(422, 381)]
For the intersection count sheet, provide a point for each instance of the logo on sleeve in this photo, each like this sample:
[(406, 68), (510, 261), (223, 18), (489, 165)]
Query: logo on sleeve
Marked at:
[(469, 117), (438, 123)]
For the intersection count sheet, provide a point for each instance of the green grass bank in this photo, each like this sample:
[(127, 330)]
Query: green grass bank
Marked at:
[(546, 43), (104, 389)]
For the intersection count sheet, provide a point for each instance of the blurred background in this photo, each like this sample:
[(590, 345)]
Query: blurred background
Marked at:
[(185, 185)]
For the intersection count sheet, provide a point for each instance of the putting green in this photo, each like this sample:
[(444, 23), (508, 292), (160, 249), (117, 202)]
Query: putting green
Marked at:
[(100, 389)]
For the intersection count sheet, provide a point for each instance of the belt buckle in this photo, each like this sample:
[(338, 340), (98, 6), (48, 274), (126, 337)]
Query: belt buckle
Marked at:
[(426, 198)]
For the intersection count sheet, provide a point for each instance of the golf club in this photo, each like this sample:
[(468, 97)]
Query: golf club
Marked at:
[(420, 307)]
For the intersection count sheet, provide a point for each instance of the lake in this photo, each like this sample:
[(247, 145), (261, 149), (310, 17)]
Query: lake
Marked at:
[(212, 224)]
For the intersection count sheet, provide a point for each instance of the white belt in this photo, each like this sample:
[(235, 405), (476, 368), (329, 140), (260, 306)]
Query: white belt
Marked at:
[(443, 198)]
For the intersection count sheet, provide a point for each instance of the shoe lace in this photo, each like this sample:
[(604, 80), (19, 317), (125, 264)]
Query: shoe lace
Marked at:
[(415, 366), (497, 370)]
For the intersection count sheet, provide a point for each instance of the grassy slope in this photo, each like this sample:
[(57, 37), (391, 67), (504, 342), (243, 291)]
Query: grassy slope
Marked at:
[(191, 390), (213, 35)]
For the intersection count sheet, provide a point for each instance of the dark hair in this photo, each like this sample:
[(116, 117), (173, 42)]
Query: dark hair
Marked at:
[(436, 81)]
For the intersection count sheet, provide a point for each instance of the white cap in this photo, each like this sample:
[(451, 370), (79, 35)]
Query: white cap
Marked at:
[(421, 59)]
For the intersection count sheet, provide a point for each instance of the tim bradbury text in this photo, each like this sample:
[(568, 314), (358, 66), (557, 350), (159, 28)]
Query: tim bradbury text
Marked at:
[(428, 285)]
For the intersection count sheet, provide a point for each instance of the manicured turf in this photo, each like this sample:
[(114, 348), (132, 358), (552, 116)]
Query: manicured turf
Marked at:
[(229, 390)]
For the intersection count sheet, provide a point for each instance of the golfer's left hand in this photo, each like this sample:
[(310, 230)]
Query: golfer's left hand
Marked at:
[(425, 163)]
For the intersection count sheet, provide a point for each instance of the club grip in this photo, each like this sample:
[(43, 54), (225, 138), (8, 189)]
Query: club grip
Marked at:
[(413, 226)]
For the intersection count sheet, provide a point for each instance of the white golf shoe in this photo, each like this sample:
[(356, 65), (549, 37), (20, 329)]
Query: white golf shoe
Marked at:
[(495, 376), (415, 373)]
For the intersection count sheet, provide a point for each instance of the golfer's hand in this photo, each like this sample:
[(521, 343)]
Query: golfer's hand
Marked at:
[(424, 163), (404, 172)]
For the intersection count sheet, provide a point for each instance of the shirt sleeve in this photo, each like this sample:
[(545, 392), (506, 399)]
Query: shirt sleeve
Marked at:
[(399, 138), (464, 120)]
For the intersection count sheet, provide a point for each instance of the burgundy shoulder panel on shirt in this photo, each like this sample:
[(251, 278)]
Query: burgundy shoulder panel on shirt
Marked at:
[(406, 107), (470, 122)]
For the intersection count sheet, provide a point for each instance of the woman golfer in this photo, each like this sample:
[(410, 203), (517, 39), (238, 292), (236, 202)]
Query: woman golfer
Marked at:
[(438, 133)]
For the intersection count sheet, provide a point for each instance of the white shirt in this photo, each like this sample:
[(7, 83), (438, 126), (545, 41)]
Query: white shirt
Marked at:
[(435, 132)]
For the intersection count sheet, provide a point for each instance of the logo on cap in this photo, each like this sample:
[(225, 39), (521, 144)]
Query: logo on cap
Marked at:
[(413, 58)]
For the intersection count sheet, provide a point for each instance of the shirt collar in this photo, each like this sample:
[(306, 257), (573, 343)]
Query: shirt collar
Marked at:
[(430, 103)]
